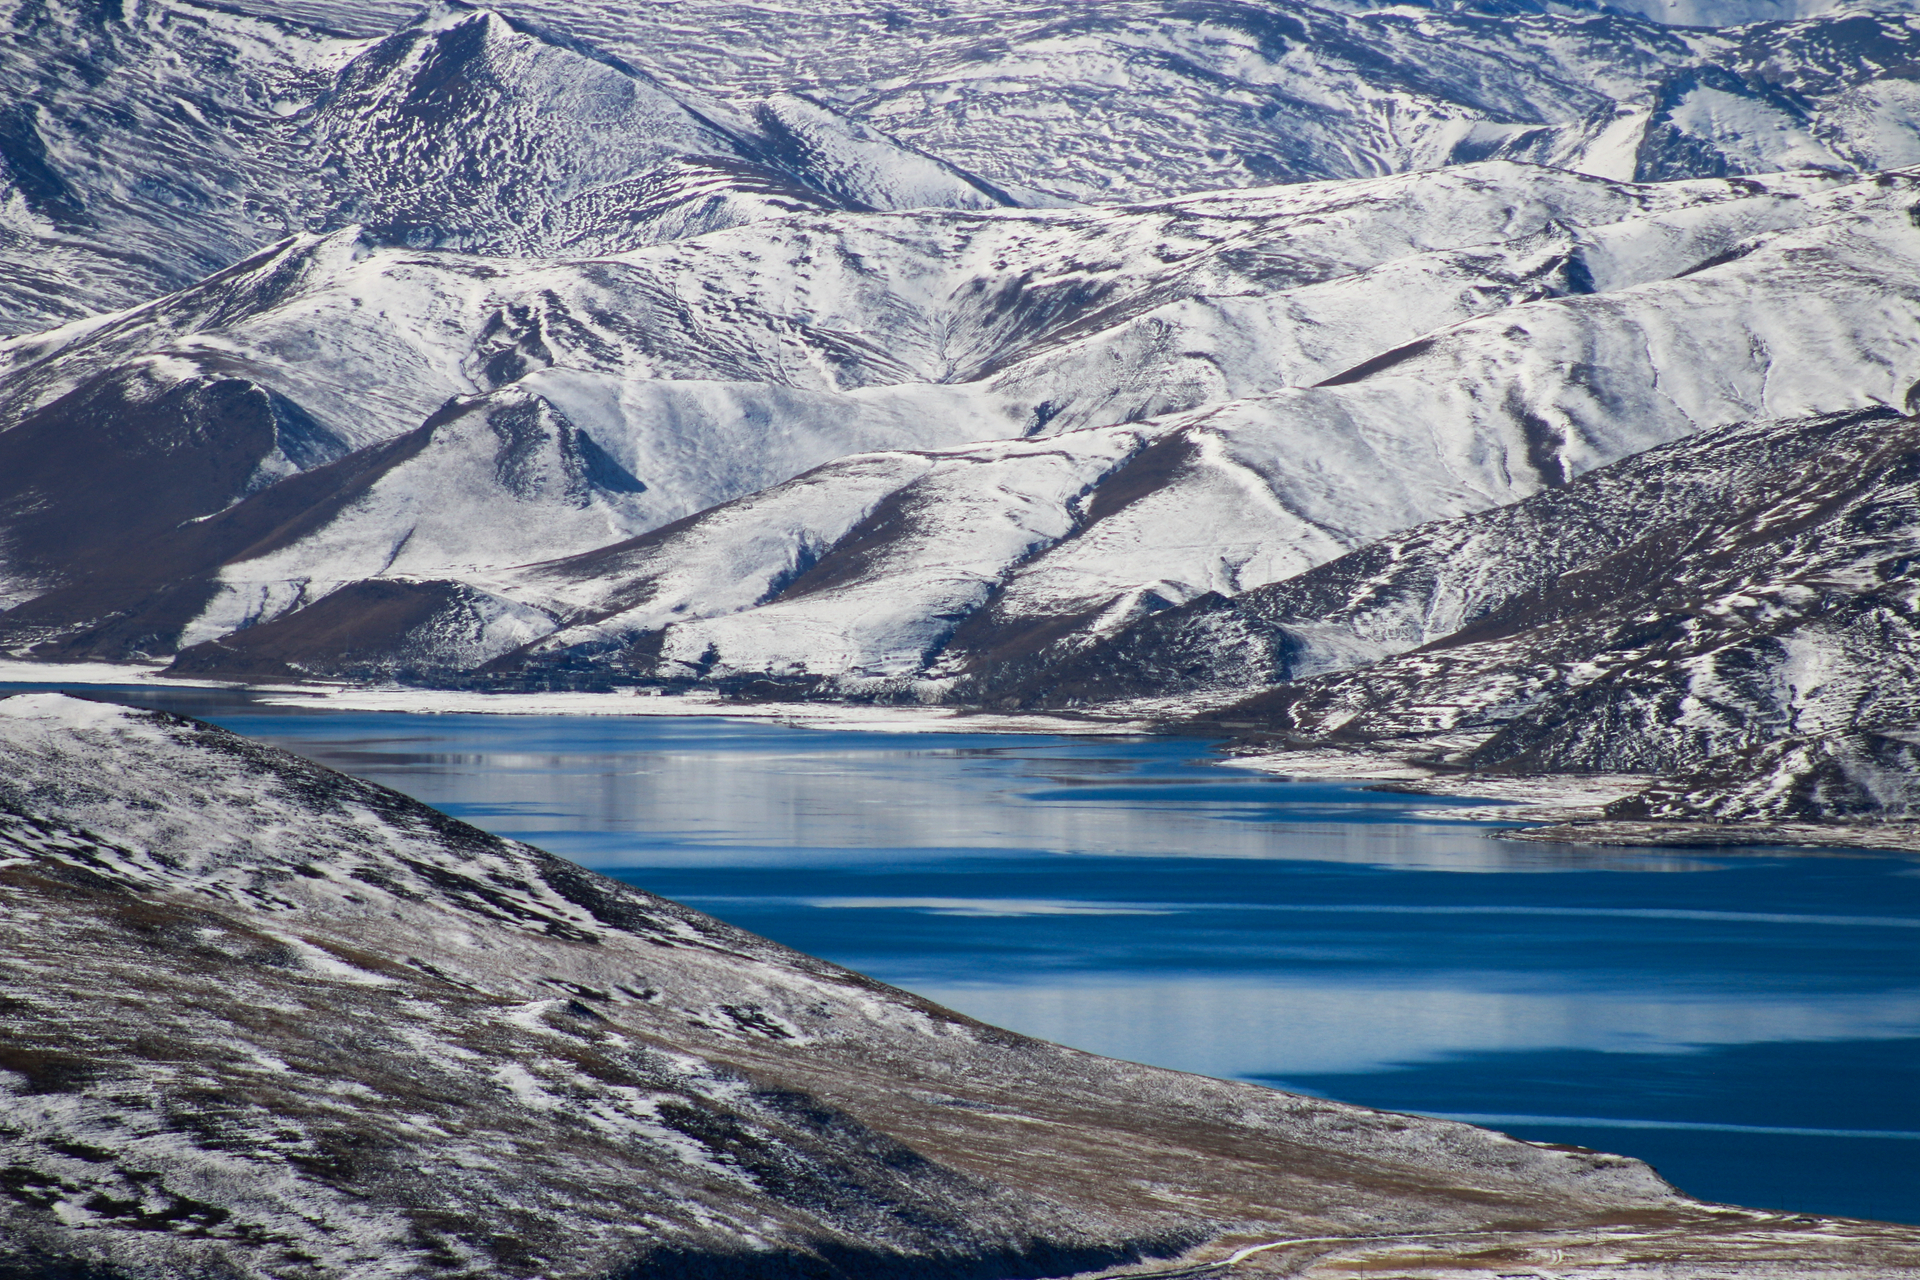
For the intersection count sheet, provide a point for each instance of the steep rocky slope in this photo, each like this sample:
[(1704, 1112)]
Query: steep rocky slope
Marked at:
[(1737, 610), (265, 1020), (1149, 98)]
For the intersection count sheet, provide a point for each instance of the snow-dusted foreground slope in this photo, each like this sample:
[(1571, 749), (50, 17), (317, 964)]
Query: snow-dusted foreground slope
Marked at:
[(265, 1020)]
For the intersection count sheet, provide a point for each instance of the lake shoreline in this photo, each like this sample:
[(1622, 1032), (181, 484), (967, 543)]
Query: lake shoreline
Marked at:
[(1533, 808), (1124, 894)]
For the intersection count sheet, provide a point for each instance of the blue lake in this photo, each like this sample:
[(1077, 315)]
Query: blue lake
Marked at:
[(1749, 1023)]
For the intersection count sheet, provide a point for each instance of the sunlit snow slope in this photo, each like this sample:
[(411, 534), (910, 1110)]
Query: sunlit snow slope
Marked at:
[(894, 350), (1201, 395), (146, 143)]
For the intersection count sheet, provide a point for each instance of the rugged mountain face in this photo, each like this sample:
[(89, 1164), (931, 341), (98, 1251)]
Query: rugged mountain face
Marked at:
[(152, 142), (1166, 97), (888, 350), (1737, 609), (1302, 330), (1837, 776), (266, 1020)]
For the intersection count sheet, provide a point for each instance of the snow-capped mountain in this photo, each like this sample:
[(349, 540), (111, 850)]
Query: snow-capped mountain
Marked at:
[(920, 350), (150, 143), (1202, 395), (1163, 97), (266, 1020)]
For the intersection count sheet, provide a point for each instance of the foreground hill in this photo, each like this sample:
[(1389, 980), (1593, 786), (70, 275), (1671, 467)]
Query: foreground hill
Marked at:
[(266, 1020)]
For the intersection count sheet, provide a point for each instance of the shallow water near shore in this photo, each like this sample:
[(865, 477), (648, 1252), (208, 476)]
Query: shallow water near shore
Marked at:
[(1747, 1022)]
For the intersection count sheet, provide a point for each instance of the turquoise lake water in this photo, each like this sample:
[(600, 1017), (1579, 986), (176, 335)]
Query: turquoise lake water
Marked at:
[(1748, 1023)]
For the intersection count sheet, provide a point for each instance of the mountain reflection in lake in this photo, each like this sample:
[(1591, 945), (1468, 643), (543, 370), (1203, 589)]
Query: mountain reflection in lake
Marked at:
[(1747, 1022)]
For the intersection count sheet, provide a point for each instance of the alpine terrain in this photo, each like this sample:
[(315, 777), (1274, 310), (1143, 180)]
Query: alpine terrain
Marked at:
[(1478, 394)]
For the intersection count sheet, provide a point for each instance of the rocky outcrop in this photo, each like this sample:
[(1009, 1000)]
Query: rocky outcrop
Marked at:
[(1833, 778), (1742, 603)]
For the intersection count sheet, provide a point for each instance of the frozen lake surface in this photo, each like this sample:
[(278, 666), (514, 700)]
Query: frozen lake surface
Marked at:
[(1749, 1022)]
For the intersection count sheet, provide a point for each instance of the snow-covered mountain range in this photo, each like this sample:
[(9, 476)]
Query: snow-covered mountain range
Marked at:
[(146, 143), (937, 352)]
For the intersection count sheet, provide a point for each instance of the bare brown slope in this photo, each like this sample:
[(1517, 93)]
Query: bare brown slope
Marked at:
[(124, 457), (131, 595)]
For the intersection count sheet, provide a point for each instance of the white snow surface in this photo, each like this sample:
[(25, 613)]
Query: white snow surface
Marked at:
[(591, 273), (1540, 323), (1256, 489), (159, 143)]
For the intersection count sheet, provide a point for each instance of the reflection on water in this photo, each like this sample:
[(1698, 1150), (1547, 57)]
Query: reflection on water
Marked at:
[(673, 790), (1748, 1024), (1277, 1031)]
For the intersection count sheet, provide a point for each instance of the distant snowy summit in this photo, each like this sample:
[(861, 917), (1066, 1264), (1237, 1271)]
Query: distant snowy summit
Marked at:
[(148, 145)]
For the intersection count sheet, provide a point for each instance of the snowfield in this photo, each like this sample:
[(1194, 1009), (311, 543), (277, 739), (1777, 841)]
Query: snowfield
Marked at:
[(1075, 416)]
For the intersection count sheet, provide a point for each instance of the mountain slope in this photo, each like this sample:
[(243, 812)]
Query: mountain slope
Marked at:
[(1146, 98), (152, 144), (269, 1020), (1737, 610), (1663, 308), (921, 567)]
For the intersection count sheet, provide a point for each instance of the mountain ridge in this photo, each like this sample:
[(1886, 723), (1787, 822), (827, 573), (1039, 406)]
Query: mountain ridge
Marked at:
[(719, 348)]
